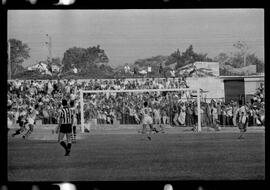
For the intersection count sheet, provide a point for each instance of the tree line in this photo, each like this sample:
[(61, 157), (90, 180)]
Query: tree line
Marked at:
[(93, 61)]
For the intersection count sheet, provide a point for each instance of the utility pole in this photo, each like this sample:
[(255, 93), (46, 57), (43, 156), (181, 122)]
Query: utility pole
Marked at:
[(49, 43), (245, 58), (243, 47)]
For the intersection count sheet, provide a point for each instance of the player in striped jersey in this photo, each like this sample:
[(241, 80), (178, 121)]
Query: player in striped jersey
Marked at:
[(65, 122)]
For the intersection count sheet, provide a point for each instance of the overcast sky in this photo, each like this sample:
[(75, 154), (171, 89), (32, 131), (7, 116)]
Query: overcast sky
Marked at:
[(128, 35)]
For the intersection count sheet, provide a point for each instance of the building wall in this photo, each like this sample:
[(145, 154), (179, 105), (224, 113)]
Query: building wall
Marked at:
[(213, 85)]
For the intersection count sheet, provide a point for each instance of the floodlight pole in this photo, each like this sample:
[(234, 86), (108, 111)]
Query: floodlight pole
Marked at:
[(49, 43)]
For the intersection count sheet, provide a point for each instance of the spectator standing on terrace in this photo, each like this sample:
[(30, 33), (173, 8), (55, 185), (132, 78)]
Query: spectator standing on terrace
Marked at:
[(182, 114), (209, 118), (229, 114), (50, 87), (234, 111), (175, 113), (251, 116), (214, 116), (164, 116), (262, 114), (45, 114), (223, 114), (219, 112), (195, 115), (189, 115)]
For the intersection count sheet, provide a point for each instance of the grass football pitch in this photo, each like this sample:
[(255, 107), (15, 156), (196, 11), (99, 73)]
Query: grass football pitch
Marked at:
[(131, 156)]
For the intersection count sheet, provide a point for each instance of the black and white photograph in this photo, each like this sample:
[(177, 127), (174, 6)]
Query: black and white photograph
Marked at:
[(135, 95)]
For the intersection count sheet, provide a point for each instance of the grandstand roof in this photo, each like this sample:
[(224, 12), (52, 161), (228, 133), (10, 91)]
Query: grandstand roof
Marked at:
[(241, 77)]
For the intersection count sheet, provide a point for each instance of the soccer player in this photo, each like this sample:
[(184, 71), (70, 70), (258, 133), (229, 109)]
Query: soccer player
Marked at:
[(157, 117), (65, 122), (31, 117), (21, 121), (147, 120), (73, 111), (10, 119), (242, 119)]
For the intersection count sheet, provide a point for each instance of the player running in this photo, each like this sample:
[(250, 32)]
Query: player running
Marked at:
[(147, 120), (31, 118), (22, 121)]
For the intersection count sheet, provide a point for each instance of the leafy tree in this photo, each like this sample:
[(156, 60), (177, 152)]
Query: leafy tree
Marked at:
[(19, 52), (54, 61), (236, 60), (222, 58), (186, 57), (83, 59), (252, 59), (73, 57), (57, 61)]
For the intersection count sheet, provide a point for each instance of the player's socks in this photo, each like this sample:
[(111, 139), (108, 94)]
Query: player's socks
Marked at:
[(68, 149), (74, 134), (241, 136), (63, 144), (27, 134), (69, 146)]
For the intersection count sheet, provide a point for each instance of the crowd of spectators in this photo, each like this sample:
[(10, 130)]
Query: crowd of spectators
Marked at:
[(173, 108)]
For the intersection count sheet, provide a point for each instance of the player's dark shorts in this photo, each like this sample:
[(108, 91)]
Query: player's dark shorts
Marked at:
[(66, 128), (22, 123), (242, 127)]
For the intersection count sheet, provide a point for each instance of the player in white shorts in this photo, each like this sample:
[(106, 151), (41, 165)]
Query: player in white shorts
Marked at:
[(31, 117), (147, 119)]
